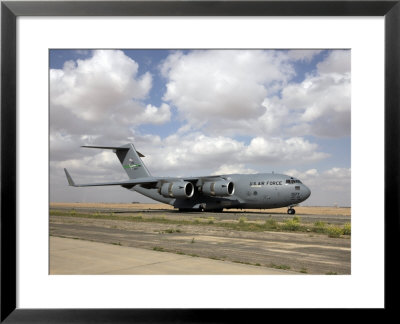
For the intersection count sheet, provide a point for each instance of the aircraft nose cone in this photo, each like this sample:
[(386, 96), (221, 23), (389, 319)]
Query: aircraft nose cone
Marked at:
[(307, 192)]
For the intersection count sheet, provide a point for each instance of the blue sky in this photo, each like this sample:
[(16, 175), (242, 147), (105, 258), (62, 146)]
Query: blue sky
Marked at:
[(196, 112)]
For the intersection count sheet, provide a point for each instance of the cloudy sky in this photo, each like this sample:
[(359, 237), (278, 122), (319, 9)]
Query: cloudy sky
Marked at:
[(199, 112)]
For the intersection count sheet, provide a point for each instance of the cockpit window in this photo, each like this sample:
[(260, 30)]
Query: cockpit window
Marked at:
[(291, 181)]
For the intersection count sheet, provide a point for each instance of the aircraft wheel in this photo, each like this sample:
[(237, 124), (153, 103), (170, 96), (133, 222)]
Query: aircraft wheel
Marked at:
[(202, 208), (291, 211)]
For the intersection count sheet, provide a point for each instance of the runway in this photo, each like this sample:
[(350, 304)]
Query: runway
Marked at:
[(69, 256), (197, 237)]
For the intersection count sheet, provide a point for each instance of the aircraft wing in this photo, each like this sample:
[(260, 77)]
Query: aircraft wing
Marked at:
[(205, 178), (149, 182), (125, 183)]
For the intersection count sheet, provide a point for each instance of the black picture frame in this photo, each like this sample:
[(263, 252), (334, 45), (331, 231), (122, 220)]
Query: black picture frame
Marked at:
[(10, 10)]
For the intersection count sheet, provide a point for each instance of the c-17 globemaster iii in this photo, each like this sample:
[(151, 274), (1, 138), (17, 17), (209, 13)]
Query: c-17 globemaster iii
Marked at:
[(206, 193)]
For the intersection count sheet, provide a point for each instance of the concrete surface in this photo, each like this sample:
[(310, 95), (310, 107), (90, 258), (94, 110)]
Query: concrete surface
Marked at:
[(72, 256)]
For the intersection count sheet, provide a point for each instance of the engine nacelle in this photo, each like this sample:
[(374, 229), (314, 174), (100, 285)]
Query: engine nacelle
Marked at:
[(179, 189), (218, 188)]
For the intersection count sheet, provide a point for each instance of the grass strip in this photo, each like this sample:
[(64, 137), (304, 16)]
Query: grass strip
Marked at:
[(291, 225)]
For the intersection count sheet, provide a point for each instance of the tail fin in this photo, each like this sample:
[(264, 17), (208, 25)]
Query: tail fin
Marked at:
[(130, 160)]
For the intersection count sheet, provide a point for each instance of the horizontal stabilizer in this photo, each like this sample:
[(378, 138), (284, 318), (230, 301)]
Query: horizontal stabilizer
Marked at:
[(118, 148), (124, 183), (69, 178)]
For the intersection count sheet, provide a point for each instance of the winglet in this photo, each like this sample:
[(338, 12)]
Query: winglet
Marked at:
[(69, 178)]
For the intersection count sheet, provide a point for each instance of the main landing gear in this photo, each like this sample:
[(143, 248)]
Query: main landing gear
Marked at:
[(200, 209), (217, 210), (291, 211)]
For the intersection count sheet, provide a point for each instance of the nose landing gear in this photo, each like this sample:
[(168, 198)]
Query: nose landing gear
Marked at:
[(291, 211)]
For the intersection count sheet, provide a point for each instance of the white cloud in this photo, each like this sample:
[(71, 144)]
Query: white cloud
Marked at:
[(338, 62), (320, 105), (306, 175), (195, 152), (276, 150), (217, 95), (104, 90), (191, 154), (154, 115), (249, 92), (234, 169), (93, 89), (98, 100), (303, 54), (207, 86)]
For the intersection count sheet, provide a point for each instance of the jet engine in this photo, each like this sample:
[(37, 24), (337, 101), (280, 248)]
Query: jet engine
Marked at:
[(179, 189), (218, 188)]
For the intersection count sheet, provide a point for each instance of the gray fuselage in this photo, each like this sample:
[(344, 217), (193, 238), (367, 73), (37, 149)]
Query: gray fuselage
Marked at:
[(261, 191)]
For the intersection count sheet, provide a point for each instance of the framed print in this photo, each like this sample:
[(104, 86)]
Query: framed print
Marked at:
[(32, 32)]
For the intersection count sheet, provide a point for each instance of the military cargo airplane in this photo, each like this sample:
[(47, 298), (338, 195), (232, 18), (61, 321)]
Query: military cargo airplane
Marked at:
[(207, 193)]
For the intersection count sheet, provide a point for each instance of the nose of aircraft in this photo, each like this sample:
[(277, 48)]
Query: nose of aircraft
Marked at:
[(306, 192)]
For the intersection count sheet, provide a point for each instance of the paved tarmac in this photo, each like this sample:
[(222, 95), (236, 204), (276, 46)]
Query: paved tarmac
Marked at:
[(71, 256)]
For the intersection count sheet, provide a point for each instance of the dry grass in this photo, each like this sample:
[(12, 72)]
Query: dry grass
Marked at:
[(346, 211), (110, 205)]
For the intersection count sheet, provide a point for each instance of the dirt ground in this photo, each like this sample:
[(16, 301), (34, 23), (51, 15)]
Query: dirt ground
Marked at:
[(344, 211), (309, 253)]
